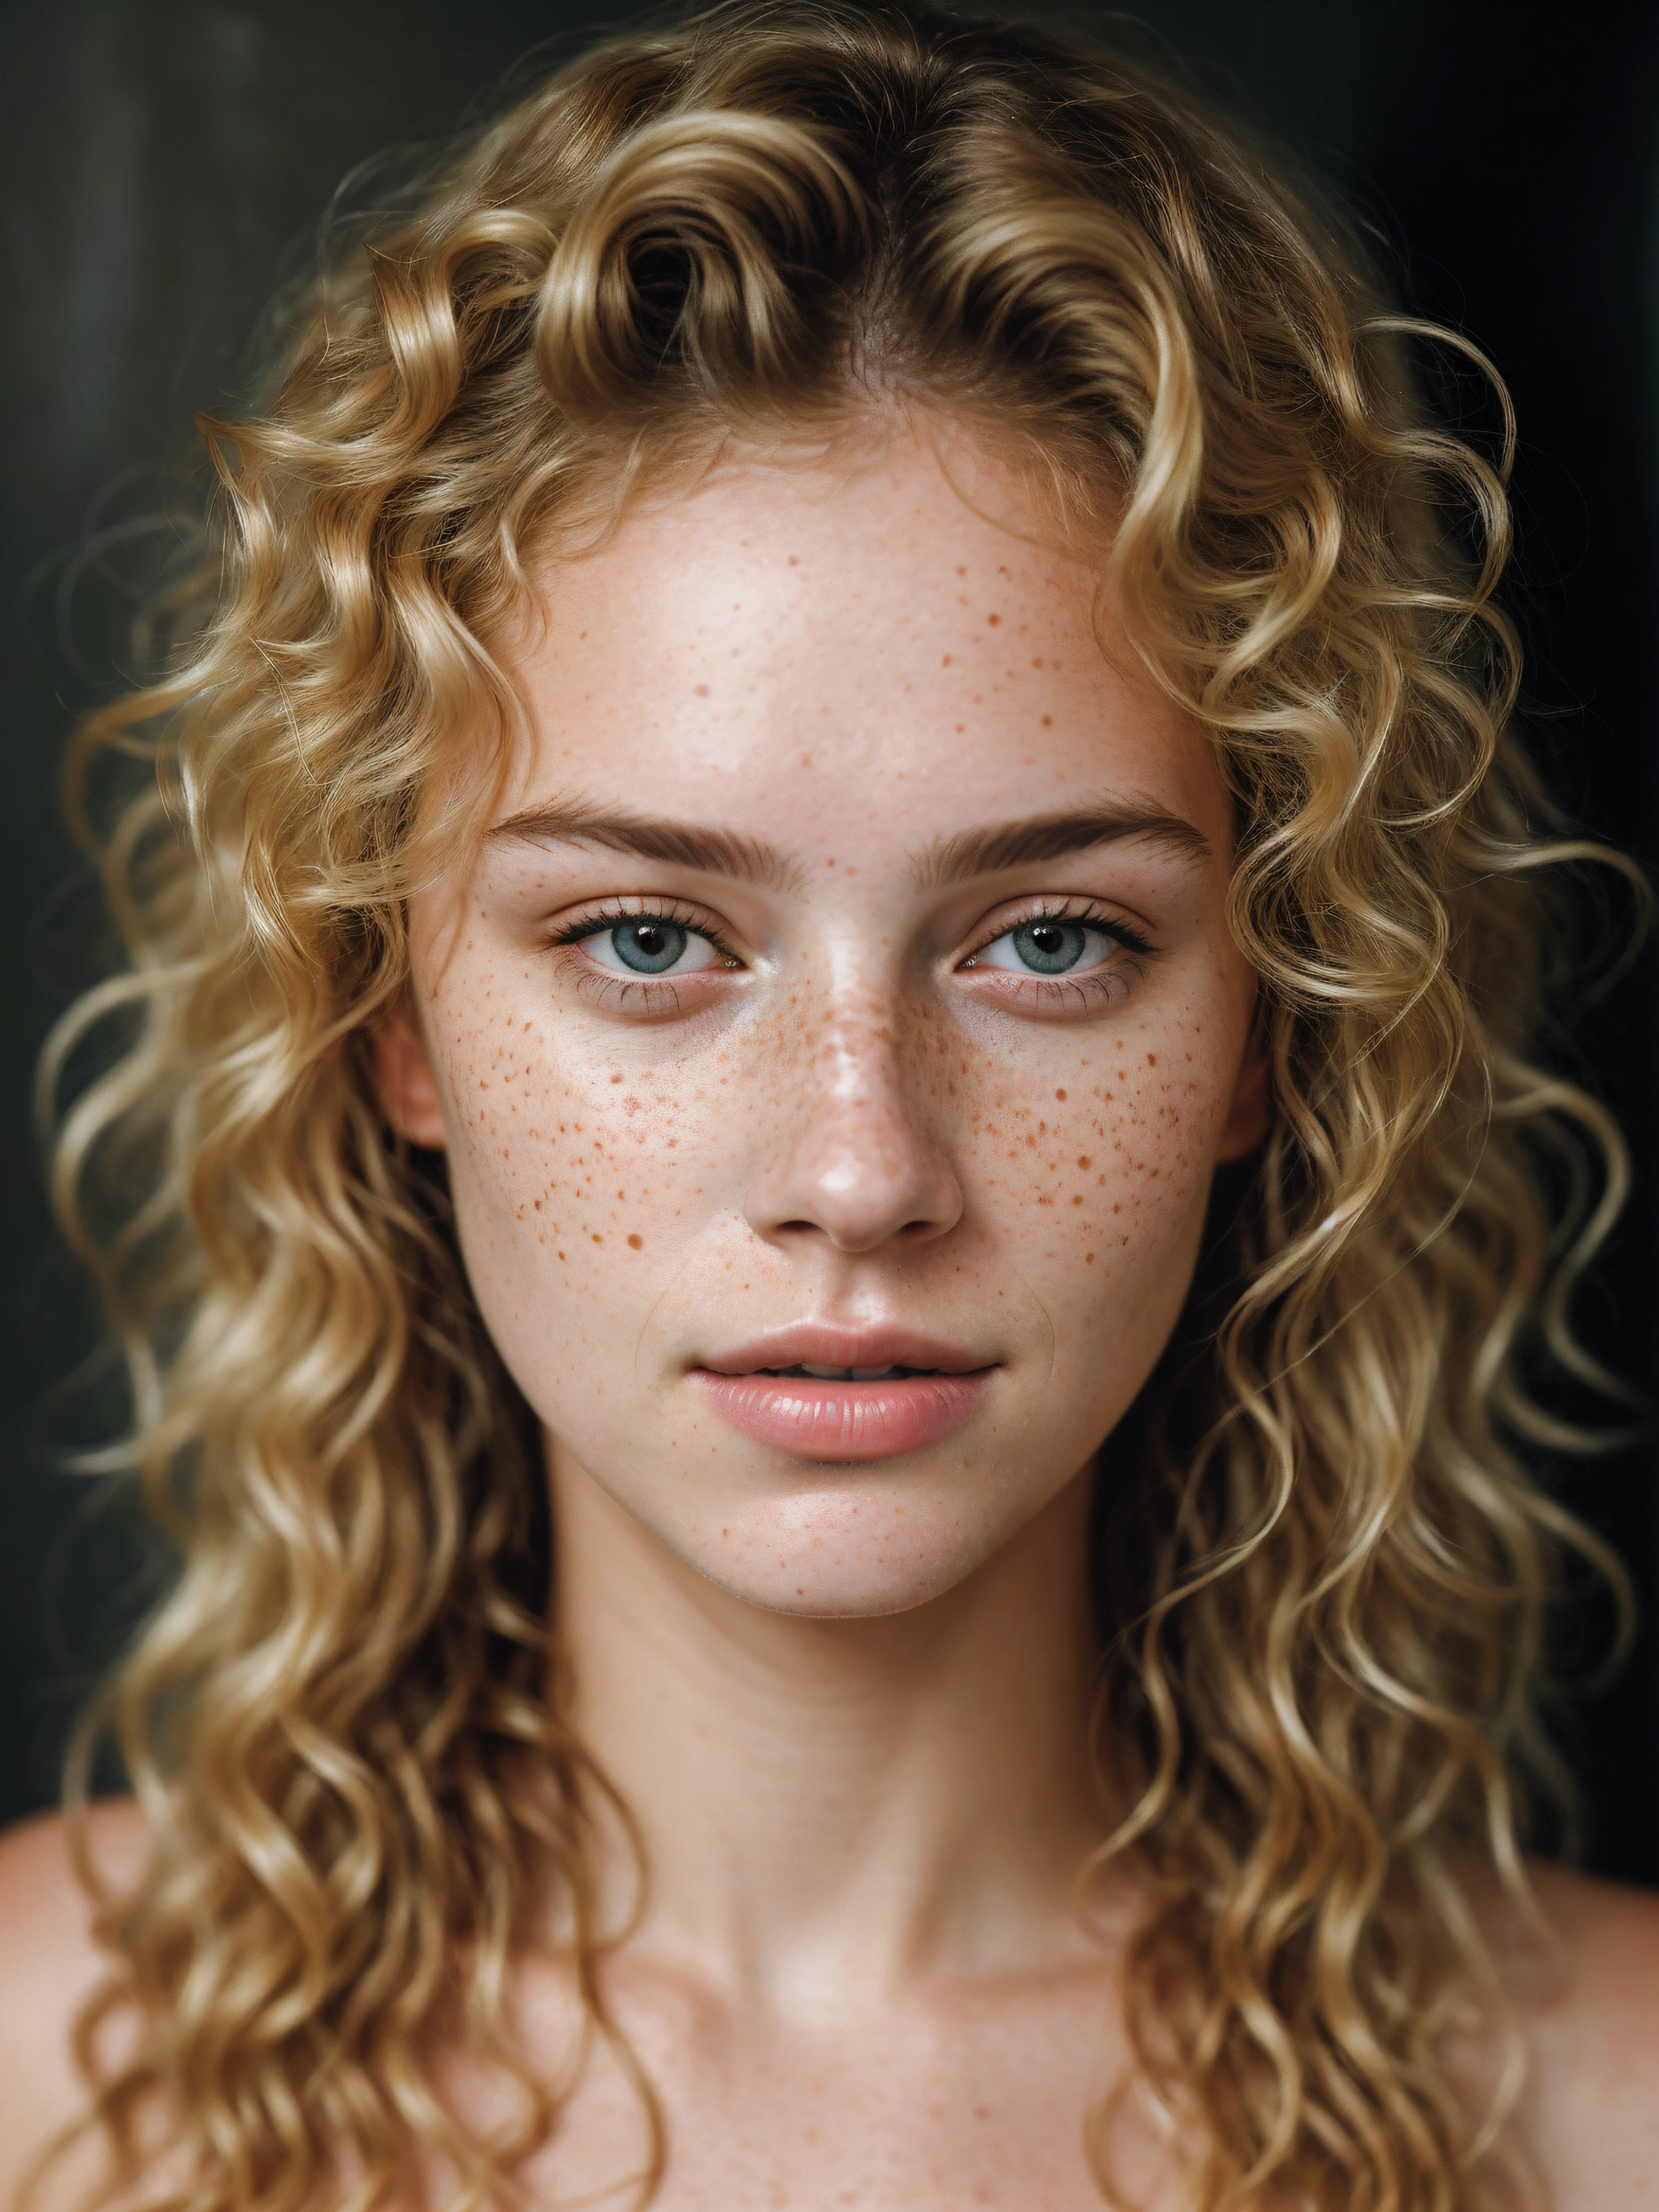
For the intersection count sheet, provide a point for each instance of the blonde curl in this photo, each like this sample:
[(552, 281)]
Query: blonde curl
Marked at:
[(1325, 1596)]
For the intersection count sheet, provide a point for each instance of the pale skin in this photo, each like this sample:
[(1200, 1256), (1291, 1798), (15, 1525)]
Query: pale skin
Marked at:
[(847, 1697)]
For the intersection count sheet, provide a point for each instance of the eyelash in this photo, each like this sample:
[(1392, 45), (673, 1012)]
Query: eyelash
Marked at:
[(656, 990), (1090, 989), (1068, 910), (608, 917)]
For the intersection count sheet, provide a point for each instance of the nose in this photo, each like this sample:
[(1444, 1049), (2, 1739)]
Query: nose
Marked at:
[(855, 1162)]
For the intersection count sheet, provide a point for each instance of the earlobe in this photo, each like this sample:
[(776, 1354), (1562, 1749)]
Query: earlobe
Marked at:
[(403, 1079), (1250, 1114)]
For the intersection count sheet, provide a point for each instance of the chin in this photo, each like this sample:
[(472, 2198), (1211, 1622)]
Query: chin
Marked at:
[(837, 1555)]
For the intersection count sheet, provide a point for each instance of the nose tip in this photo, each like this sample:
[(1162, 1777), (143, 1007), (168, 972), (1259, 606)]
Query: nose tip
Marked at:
[(859, 1167), (860, 1195)]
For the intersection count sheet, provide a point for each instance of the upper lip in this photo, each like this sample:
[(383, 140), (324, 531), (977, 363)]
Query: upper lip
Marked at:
[(824, 1343)]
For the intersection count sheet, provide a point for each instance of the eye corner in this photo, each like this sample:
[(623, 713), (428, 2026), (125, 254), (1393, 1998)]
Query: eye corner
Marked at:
[(637, 952), (1073, 923)]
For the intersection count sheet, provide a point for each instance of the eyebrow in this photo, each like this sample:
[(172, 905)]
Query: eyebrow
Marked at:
[(683, 844), (1054, 837), (947, 860)]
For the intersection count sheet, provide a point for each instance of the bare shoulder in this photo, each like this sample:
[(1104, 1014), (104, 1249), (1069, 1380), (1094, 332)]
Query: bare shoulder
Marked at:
[(52, 1964), (1592, 2020)]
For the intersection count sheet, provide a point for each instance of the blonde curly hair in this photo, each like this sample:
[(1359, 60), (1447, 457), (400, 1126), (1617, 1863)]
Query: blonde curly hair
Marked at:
[(1324, 1598)]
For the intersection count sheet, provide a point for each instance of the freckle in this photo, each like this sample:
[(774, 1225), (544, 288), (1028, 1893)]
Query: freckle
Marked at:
[(1088, 1259), (598, 1239), (562, 1255), (538, 1206), (1048, 721), (1037, 663), (962, 572), (794, 560), (1078, 1200), (1083, 1159), (945, 663), (994, 620), (960, 726), (635, 1243), (701, 690)]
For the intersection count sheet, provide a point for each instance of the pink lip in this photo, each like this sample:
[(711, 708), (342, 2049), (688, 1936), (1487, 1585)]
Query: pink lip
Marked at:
[(827, 1419)]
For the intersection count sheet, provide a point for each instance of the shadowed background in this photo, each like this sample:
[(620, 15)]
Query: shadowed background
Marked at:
[(163, 166)]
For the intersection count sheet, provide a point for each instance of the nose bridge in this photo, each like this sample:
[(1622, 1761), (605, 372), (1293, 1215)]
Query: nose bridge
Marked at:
[(857, 1040), (858, 1160)]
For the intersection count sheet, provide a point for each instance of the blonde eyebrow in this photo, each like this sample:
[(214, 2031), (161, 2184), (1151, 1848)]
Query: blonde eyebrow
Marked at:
[(682, 844), (1053, 837)]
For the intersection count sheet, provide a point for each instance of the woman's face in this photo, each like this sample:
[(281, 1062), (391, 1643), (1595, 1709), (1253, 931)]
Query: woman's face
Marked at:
[(835, 1042)]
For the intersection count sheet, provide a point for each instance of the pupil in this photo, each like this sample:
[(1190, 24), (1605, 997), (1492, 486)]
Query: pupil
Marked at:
[(649, 946), (1051, 947)]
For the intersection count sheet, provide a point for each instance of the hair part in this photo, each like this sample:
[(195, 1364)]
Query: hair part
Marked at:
[(755, 230)]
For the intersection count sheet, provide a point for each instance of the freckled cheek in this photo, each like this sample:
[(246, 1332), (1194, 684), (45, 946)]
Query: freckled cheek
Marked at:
[(587, 1182), (1090, 1170)]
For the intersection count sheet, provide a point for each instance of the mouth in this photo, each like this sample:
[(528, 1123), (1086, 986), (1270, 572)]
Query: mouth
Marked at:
[(828, 1394), (803, 1369)]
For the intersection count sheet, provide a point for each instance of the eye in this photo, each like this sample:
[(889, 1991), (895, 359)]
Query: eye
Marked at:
[(1047, 946), (650, 945)]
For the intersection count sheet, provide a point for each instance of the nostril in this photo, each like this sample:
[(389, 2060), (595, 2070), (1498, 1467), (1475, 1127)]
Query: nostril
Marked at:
[(860, 1188)]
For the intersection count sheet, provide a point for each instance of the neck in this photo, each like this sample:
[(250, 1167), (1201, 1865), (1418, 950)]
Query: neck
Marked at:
[(831, 1809)]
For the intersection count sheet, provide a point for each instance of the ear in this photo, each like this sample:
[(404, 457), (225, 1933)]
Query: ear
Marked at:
[(401, 1069), (1250, 1114)]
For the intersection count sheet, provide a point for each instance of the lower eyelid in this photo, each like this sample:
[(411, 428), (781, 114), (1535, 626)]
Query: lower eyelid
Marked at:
[(1117, 948), (587, 972)]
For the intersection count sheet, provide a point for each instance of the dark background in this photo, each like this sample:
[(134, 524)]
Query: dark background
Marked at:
[(164, 163)]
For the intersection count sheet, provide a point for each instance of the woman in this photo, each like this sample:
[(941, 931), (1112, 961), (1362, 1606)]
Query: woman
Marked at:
[(841, 857)]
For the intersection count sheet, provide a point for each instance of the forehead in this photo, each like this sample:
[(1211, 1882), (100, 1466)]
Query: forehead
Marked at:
[(847, 654)]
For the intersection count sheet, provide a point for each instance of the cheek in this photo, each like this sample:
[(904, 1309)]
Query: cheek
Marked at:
[(1111, 1143), (1092, 1179), (574, 1184)]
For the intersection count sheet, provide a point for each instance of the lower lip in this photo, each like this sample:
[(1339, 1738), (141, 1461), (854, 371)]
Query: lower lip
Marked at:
[(846, 1421)]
